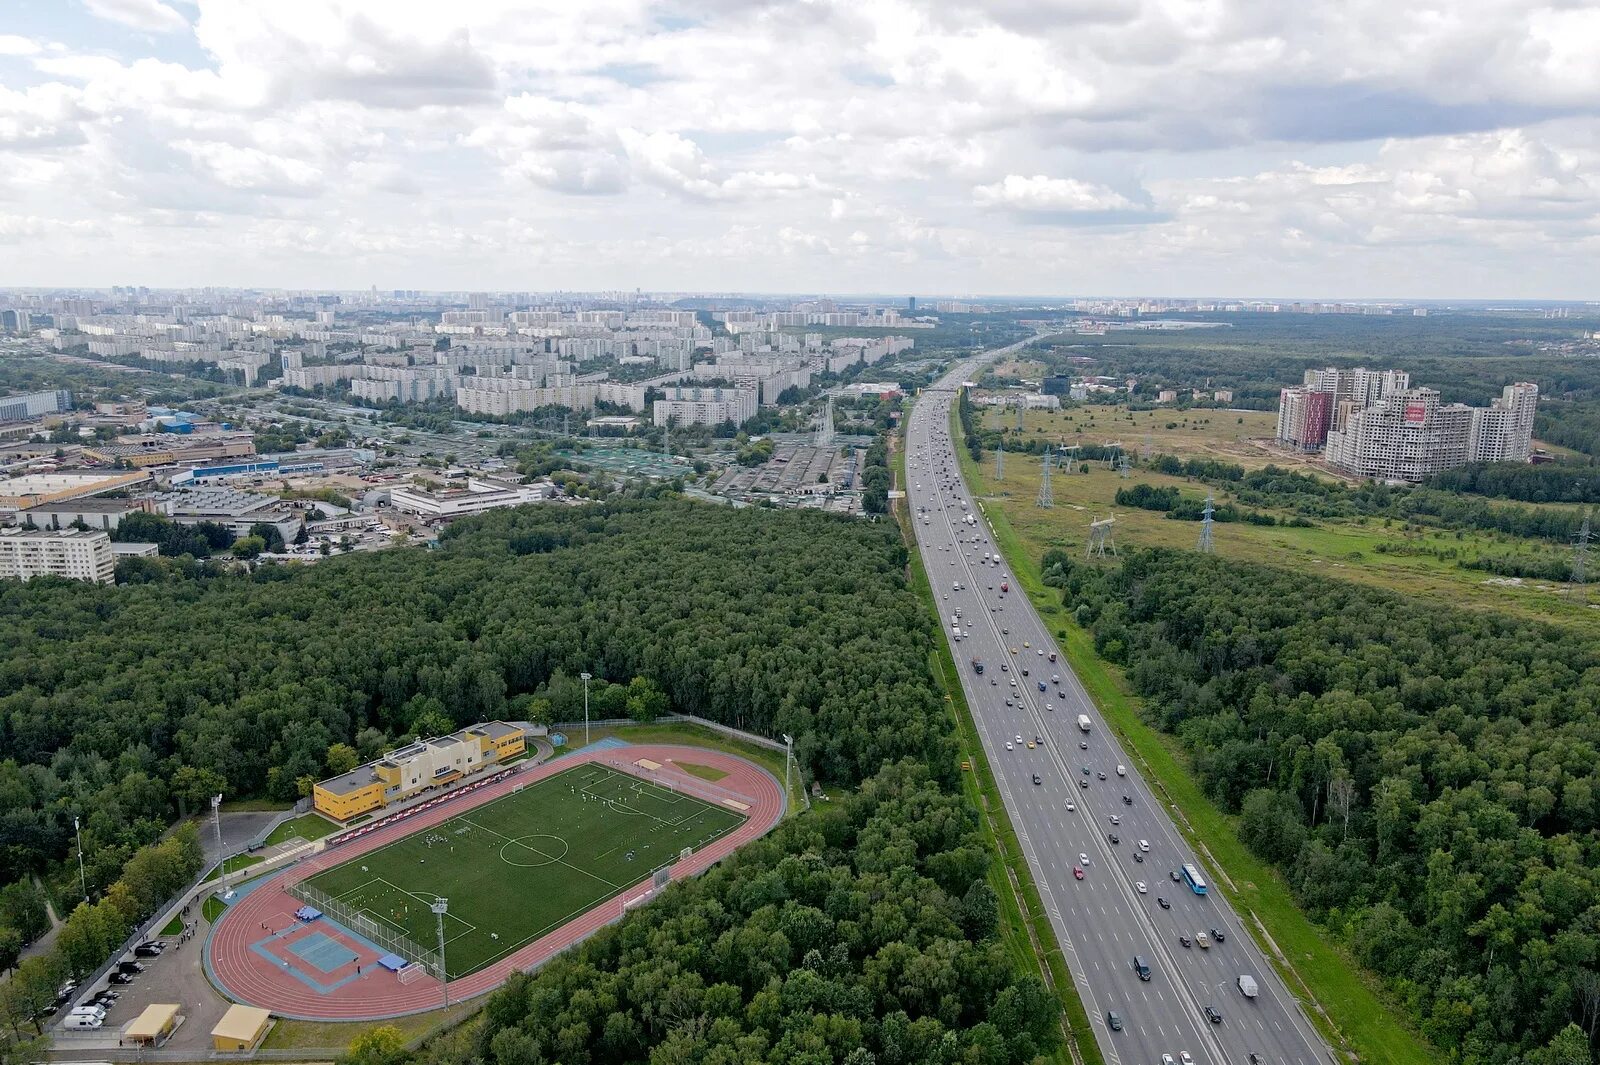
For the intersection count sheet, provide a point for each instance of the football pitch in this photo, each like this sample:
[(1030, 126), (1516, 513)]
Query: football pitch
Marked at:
[(525, 864)]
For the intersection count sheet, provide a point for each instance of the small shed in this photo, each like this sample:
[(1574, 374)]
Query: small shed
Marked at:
[(153, 1025), (241, 1028)]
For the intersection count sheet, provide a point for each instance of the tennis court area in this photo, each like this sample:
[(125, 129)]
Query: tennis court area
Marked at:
[(524, 864)]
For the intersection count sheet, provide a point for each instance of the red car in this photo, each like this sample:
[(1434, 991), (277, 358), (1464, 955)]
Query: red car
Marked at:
[(1077, 872)]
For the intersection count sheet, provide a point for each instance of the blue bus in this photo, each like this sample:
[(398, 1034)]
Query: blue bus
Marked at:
[(1192, 877)]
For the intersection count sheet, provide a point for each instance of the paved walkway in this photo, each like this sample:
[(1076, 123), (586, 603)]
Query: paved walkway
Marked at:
[(257, 952)]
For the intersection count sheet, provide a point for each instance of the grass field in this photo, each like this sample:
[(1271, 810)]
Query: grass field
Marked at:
[(308, 827), (525, 864), (1418, 563)]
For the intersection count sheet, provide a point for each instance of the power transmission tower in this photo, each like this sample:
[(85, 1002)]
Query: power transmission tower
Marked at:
[(1112, 451), (1205, 546), (1046, 499), (1123, 466), (1021, 405), (1000, 461), (1147, 449), (666, 438), (1580, 560), (1100, 540)]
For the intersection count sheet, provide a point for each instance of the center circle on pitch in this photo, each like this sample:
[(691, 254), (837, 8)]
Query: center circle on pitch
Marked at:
[(533, 850)]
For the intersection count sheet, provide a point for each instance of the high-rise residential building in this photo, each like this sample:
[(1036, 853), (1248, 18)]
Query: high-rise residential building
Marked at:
[(34, 404), (1503, 431), (1303, 417), (1374, 424), (71, 553), (1408, 436)]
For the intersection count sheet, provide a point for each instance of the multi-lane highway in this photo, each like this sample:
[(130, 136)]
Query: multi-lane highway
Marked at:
[(1079, 804)]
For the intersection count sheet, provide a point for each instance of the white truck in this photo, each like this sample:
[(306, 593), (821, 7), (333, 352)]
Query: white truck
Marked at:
[(1247, 986), (1083, 722)]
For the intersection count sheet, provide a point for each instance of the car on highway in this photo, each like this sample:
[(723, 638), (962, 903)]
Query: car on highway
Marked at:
[(1183, 1056), (1008, 745), (1072, 807), (1175, 877), (1185, 941), (1213, 1015), (1037, 779), (1102, 776), (1138, 857), (1019, 737), (1049, 707), (1113, 837), (1166, 1059), (1161, 900), (1114, 1020), (1127, 800), (1030, 745), (1116, 820), (1083, 858), (1144, 844), (1202, 939), (1083, 784), (1077, 872), (1083, 745), (1140, 887), (1216, 934)]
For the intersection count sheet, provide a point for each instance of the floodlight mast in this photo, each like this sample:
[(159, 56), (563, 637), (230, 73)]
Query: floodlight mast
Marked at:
[(440, 908)]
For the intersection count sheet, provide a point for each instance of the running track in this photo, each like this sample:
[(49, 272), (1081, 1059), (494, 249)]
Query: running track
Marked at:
[(234, 948)]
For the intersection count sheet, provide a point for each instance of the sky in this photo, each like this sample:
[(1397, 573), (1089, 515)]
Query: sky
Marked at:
[(1310, 149)]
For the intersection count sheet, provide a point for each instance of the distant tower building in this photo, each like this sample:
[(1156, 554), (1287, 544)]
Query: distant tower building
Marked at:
[(911, 305)]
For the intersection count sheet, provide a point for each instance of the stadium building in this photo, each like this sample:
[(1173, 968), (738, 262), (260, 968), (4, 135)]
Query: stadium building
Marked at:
[(418, 767)]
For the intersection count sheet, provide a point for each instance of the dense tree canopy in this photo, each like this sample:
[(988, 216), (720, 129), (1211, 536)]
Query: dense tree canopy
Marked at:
[(860, 933), (1428, 780)]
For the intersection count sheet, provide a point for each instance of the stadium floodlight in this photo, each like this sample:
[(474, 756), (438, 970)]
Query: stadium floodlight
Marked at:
[(586, 678), (83, 881), (440, 907)]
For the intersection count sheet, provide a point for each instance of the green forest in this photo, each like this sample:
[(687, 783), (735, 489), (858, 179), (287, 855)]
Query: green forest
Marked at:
[(1427, 780), (862, 932), (1469, 358)]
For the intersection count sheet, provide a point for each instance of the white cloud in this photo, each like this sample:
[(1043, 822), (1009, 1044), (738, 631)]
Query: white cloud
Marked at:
[(1041, 195), (152, 16), (958, 146)]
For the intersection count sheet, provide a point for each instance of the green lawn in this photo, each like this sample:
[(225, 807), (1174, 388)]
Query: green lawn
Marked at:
[(235, 864), (1344, 1002), (525, 864), (704, 772), (309, 827)]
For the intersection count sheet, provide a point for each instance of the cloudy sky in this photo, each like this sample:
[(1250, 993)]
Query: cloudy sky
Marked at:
[(1318, 148)]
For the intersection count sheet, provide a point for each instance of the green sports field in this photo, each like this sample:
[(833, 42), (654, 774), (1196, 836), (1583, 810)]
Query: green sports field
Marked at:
[(525, 864)]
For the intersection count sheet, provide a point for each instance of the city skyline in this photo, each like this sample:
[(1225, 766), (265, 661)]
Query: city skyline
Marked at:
[(1324, 151)]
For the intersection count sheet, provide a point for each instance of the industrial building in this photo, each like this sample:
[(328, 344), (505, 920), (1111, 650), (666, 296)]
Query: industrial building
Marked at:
[(418, 767), (481, 494), (37, 489), (102, 514), (70, 553)]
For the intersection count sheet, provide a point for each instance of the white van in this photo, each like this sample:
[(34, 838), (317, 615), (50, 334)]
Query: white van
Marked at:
[(1122, 770), (82, 1020), (89, 1010)]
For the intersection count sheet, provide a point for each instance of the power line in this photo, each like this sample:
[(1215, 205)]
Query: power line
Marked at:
[(1580, 560), (1206, 547)]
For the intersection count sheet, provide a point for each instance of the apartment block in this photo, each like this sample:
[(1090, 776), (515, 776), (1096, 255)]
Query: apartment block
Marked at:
[(706, 406), (70, 553)]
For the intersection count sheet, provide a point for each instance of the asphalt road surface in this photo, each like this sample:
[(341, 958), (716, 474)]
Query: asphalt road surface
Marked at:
[(1073, 807)]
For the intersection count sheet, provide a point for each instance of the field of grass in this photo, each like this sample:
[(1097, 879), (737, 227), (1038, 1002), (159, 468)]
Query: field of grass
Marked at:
[(308, 827), (1417, 563), (1344, 1003), (591, 832), (697, 736)]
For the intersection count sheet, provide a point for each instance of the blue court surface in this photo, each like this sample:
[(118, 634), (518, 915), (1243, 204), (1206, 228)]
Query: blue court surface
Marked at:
[(324, 953)]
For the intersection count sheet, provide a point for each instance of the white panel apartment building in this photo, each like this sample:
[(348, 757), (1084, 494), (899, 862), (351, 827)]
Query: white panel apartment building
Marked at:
[(71, 553), (706, 406), (1503, 431)]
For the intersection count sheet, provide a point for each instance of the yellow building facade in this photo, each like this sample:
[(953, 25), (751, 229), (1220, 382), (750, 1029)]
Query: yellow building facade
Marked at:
[(418, 767)]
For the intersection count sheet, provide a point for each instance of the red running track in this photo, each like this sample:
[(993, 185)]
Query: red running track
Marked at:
[(265, 915)]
